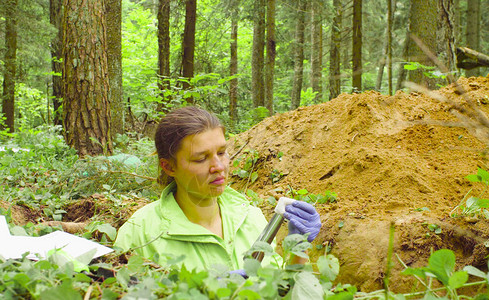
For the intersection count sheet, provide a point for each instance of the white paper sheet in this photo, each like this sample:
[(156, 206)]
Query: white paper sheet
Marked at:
[(14, 246)]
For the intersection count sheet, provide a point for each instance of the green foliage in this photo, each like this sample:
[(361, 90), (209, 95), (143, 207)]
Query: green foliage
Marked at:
[(474, 206), (246, 166), (37, 169), (304, 195)]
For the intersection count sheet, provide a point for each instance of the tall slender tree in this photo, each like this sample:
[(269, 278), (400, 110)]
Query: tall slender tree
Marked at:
[(56, 19), (298, 54), (357, 46), (10, 60), (163, 52), (270, 59), (472, 30), (85, 77), (189, 43), (114, 58), (233, 66), (317, 49), (257, 57), (334, 52)]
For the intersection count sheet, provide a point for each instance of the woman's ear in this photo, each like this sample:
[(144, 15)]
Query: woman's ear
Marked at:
[(167, 166)]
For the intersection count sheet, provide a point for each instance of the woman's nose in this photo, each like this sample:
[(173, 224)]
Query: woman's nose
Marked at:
[(217, 164)]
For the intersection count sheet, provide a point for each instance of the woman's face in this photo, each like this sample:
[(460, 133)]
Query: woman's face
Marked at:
[(202, 164)]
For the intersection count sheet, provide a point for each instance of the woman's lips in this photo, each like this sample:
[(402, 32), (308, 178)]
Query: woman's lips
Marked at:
[(218, 181)]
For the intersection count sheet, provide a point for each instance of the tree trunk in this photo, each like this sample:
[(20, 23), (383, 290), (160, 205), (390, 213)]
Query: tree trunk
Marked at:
[(164, 53), (446, 37), (423, 20), (298, 54), (233, 70), (270, 65), (334, 52), (10, 60), (472, 33), (386, 51), (391, 7), (85, 77), (56, 19), (189, 44), (317, 50), (114, 59), (357, 46), (402, 73), (257, 84)]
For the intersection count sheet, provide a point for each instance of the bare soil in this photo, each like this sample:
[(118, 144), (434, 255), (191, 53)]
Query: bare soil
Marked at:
[(389, 159)]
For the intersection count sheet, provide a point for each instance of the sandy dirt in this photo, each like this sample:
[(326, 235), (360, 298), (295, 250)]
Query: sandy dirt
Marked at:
[(398, 160)]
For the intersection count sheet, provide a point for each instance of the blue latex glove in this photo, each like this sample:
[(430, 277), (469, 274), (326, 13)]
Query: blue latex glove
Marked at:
[(303, 218), (240, 272)]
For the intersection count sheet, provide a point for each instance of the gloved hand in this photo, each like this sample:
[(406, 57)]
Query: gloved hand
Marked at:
[(240, 272), (303, 218)]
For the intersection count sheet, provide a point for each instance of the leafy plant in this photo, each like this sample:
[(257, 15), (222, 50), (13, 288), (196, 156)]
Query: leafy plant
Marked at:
[(246, 166), (304, 195), (474, 206)]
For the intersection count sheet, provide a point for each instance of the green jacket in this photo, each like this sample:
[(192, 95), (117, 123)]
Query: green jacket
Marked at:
[(163, 228)]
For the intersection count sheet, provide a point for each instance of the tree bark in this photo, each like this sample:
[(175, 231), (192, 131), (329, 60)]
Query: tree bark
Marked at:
[(85, 77), (233, 70), (189, 44), (387, 51), (423, 19), (334, 52), (257, 58), (446, 37), (270, 65), (317, 50), (164, 53), (298, 54), (472, 33), (357, 46), (114, 59), (56, 19), (10, 60)]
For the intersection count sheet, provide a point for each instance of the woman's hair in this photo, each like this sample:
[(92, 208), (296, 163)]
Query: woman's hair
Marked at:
[(175, 126)]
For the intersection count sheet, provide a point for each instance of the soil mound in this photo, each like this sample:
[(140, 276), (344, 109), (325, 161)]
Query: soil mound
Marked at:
[(396, 159)]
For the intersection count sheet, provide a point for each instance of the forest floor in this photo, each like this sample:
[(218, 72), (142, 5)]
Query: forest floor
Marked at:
[(398, 160)]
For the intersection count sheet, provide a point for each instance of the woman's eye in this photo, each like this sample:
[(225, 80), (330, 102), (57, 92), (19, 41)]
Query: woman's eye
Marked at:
[(201, 159)]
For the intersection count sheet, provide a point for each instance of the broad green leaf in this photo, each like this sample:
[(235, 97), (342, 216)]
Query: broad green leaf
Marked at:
[(329, 266), (108, 229), (484, 175), (475, 272), (458, 279), (108, 294), (251, 266), (441, 263), (254, 176), (249, 294), (307, 286), (223, 292), (473, 178), (135, 263), (64, 291), (420, 272), (341, 296), (483, 203)]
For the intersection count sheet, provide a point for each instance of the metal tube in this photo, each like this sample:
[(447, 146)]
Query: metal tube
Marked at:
[(268, 234)]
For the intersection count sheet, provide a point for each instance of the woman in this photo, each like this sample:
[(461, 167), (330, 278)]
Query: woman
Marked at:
[(198, 215)]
